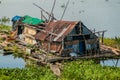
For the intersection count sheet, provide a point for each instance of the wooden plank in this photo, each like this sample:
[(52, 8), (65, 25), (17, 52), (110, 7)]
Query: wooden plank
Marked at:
[(30, 31), (30, 36), (91, 41), (87, 34), (72, 42), (29, 40), (49, 32), (114, 50)]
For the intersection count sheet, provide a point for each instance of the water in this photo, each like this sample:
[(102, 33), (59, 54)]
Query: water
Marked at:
[(110, 62), (8, 61), (98, 14)]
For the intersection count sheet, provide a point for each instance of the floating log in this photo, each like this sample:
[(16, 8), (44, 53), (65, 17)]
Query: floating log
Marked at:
[(37, 60), (56, 59)]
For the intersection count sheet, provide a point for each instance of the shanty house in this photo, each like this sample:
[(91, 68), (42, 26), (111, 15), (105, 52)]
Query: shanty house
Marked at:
[(61, 37), (65, 37)]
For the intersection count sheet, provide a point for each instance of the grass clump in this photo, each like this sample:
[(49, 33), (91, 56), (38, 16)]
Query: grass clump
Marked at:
[(113, 42)]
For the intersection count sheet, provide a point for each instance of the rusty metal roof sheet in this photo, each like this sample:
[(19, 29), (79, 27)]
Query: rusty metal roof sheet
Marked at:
[(59, 28)]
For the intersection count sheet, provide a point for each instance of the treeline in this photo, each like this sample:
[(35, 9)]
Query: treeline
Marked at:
[(4, 20), (3, 24)]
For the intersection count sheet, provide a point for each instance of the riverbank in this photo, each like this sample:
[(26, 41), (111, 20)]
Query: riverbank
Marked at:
[(71, 70)]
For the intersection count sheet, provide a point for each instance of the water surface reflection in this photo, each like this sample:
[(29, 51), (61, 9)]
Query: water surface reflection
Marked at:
[(110, 62), (9, 61)]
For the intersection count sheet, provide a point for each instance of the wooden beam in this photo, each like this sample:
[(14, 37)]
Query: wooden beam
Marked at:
[(86, 34), (72, 42), (42, 30)]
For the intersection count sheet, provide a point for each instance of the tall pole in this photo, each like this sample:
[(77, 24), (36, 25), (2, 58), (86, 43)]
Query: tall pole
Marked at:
[(65, 9), (41, 15), (52, 10), (44, 11)]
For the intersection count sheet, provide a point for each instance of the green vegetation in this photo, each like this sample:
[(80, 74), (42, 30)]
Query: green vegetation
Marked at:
[(30, 73), (113, 42), (88, 70), (75, 70), (4, 20), (4, 28)]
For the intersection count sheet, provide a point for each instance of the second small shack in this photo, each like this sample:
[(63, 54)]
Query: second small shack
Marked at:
[(62, 38)]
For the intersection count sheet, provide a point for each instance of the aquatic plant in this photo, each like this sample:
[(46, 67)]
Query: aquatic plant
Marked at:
[(88, 70), (30, 73), (74, 70)]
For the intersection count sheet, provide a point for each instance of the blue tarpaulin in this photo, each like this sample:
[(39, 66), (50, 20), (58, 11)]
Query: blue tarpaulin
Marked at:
[(15, 18)]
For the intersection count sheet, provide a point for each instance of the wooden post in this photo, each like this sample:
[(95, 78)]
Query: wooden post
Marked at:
[(85, 44), (102, 36), (99, 41), (62, 42), (41, 15), (80, 28), (50, 41), (116, 63)]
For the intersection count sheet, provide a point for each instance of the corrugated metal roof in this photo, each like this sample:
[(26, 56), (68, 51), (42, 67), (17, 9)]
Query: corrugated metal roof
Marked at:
[(60, 28)]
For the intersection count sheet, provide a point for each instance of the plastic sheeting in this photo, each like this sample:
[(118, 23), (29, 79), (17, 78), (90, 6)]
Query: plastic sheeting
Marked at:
[(31, 20), (16, 18)]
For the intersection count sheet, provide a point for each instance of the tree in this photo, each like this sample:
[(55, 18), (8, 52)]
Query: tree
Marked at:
[(4, 20)]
